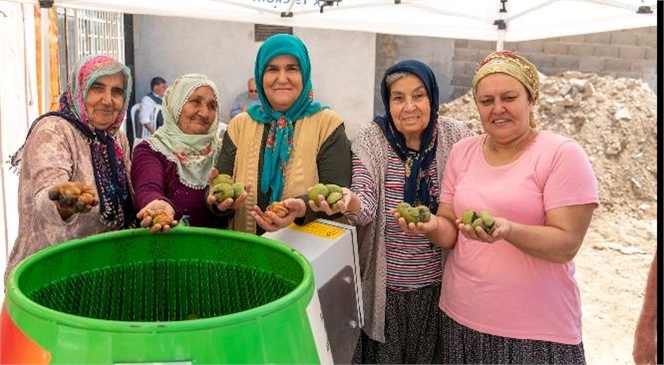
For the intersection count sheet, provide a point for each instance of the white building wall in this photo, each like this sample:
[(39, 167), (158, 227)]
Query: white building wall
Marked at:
[(18, 107), (343, 62)]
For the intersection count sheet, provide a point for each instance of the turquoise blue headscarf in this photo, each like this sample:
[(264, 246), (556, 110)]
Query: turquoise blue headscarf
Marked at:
[(280, 135)]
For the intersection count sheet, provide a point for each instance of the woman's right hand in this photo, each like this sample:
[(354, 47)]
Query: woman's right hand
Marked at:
[(158, 215), (419, 227), (349, 203), (73, 197), (228, 203)]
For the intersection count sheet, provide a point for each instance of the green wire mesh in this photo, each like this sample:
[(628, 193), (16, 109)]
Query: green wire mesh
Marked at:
[(158, 278)]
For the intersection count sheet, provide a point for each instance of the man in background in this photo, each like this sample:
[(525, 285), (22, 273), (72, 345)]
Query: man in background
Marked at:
[(245, 99), (149, 114)]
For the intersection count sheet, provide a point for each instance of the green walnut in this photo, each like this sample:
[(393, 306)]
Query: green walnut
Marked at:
[(222, 178), (333, 198), (332, 193), (223, 191), (412, 214), (316, 190), (332, 188), (481, 219), (223, 188), (425, 213), (238, 189), (468, 217)]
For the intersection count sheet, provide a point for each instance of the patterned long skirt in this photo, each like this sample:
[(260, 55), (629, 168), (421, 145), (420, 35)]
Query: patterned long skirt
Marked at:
[(412, 330), (467, 346)]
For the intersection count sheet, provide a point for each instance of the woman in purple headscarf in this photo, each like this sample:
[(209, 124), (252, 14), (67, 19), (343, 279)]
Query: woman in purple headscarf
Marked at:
[(399, 158), (73, 165)]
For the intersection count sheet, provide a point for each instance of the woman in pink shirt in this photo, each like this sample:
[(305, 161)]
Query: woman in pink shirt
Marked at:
[(509, 296)]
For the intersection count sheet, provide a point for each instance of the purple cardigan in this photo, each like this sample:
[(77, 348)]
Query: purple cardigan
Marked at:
[(155, 177)]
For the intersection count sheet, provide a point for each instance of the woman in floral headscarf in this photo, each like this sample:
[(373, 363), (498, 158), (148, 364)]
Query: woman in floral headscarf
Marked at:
[(509, 295), (285, 145), (171, 168), (73, 179)]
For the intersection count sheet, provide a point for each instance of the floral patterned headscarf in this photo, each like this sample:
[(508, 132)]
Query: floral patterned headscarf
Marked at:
[(115, 201), (194, 154), (280, 135), (515, 65)]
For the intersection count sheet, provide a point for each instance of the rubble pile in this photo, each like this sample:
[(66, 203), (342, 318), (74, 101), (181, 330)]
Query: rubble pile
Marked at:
[(614, 119)]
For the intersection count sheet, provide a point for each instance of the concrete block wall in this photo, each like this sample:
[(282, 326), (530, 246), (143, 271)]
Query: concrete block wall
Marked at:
[(630, 53), (435, 52)]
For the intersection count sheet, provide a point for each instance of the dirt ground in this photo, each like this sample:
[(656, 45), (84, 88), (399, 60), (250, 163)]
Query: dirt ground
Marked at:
[(615, 120), (612, 267)]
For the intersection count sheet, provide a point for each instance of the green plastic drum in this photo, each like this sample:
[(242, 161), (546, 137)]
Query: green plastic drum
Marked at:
[(193, 296)]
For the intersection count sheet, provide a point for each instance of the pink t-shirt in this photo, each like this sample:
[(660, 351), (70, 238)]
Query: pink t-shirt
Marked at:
[(495, 288)]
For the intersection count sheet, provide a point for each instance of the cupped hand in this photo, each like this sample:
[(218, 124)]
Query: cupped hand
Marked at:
[(73, 197), (500, 231), (275, 219), (157, 215), (228, 203), (348, 203), (415, 228)]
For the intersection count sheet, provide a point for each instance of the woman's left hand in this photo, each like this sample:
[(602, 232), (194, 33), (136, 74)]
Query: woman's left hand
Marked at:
[(500, 231), (271, 221)]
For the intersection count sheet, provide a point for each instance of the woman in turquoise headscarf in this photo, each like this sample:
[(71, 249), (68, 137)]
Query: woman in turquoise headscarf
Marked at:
[(285, 145)]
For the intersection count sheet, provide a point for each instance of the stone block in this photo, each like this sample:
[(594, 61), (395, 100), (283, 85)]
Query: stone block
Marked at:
[(462, 80), (464, 54), (598, 38), (460, 43), (617, 65), (573, 39), (623, 38), (569, 62), (639, 65), (530, 46), (540, 59), (557, 48), (647, 40), (487, 46), (632, 53), (606, 51), (651, 54), (580, 50), (591, 64)]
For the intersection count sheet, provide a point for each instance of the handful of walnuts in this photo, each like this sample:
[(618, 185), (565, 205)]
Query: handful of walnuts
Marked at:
[(223, 187), (331, 192), (159, 216), (277, 208), (77, 195)]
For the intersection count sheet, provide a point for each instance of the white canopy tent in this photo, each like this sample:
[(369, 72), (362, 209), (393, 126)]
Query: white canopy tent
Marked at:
[(499, 20), (487, 20)]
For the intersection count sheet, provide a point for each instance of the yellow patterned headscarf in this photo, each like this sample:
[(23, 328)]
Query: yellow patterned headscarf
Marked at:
[(515, 65)]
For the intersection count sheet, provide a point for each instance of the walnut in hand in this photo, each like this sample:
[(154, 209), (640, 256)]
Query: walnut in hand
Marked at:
[(75, 196)]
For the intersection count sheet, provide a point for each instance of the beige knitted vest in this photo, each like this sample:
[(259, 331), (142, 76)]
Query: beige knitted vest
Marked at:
[(300, 173)]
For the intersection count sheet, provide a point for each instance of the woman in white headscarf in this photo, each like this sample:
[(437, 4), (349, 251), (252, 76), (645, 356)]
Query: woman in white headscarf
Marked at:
[(171, 168)]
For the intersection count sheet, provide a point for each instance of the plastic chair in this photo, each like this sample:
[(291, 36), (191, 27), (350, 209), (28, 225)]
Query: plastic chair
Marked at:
[(136, 126)]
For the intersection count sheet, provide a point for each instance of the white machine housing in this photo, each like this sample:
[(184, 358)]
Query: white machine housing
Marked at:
[(331, 248)]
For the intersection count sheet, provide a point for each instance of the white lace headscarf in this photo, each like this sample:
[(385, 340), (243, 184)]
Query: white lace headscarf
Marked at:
[(194, 154)]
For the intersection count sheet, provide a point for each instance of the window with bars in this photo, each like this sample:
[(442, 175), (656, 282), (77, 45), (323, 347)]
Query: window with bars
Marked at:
[(85, 32)]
